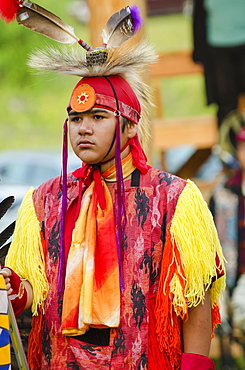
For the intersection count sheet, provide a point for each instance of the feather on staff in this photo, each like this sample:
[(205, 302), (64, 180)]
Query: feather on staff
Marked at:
[(46, 23), (40, 20), (8, 231), (5, 205)]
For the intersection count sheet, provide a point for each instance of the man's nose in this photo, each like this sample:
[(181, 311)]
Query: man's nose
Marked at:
[(86, 126)]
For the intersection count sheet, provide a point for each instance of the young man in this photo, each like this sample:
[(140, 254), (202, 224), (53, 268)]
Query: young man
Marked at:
[(120, 262), (168, 255)]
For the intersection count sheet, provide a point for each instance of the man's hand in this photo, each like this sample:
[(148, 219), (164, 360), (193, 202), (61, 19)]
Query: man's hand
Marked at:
[(6, 274), (19, 291)]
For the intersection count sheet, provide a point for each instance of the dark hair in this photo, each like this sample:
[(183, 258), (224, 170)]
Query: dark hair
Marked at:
[(126, 122)]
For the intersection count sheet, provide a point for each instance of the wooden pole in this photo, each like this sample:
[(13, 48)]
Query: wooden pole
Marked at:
[(100, 12)]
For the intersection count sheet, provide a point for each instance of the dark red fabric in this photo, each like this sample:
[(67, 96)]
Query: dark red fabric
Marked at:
[(192, 361), (18, 304), (89, 173), (139, 156)]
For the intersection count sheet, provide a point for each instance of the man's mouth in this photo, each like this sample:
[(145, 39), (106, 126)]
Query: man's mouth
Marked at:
[(85, 143)]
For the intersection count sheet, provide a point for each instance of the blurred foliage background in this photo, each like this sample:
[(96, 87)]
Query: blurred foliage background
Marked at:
[(33, 107)]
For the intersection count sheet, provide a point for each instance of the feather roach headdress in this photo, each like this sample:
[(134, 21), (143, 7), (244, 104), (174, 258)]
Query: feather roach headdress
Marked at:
[(113, 58)]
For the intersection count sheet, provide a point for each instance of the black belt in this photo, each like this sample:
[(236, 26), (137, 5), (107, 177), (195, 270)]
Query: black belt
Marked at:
[(99, 337)]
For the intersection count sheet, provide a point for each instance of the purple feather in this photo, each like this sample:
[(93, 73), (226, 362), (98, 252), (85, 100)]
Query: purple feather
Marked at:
[(136, 17)]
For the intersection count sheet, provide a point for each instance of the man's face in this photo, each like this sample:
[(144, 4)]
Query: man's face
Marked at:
[(241, 154), (92, 133)]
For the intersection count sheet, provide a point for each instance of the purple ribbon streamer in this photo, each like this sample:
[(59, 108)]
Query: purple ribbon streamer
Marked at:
[(120, 200), (61, 275)]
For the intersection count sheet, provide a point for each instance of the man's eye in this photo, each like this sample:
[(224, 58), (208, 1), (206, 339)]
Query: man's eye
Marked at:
[(75, 119), (98, 117)]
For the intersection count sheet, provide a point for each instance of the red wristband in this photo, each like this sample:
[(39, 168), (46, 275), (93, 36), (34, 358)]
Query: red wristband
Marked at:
[(19, 302), (192, 361)]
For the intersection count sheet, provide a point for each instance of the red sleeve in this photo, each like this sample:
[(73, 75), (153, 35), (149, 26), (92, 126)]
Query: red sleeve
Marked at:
[(192, 361), (19, 302)]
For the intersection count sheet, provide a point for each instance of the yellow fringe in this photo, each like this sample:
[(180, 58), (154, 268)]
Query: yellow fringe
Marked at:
[(26, 255), (197, 241)]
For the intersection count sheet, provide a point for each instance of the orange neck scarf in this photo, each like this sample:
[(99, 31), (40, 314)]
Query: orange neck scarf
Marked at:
[(92, 290)]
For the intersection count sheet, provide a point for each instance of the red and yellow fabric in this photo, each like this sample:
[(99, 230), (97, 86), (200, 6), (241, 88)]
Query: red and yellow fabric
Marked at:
[(5, 359)]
